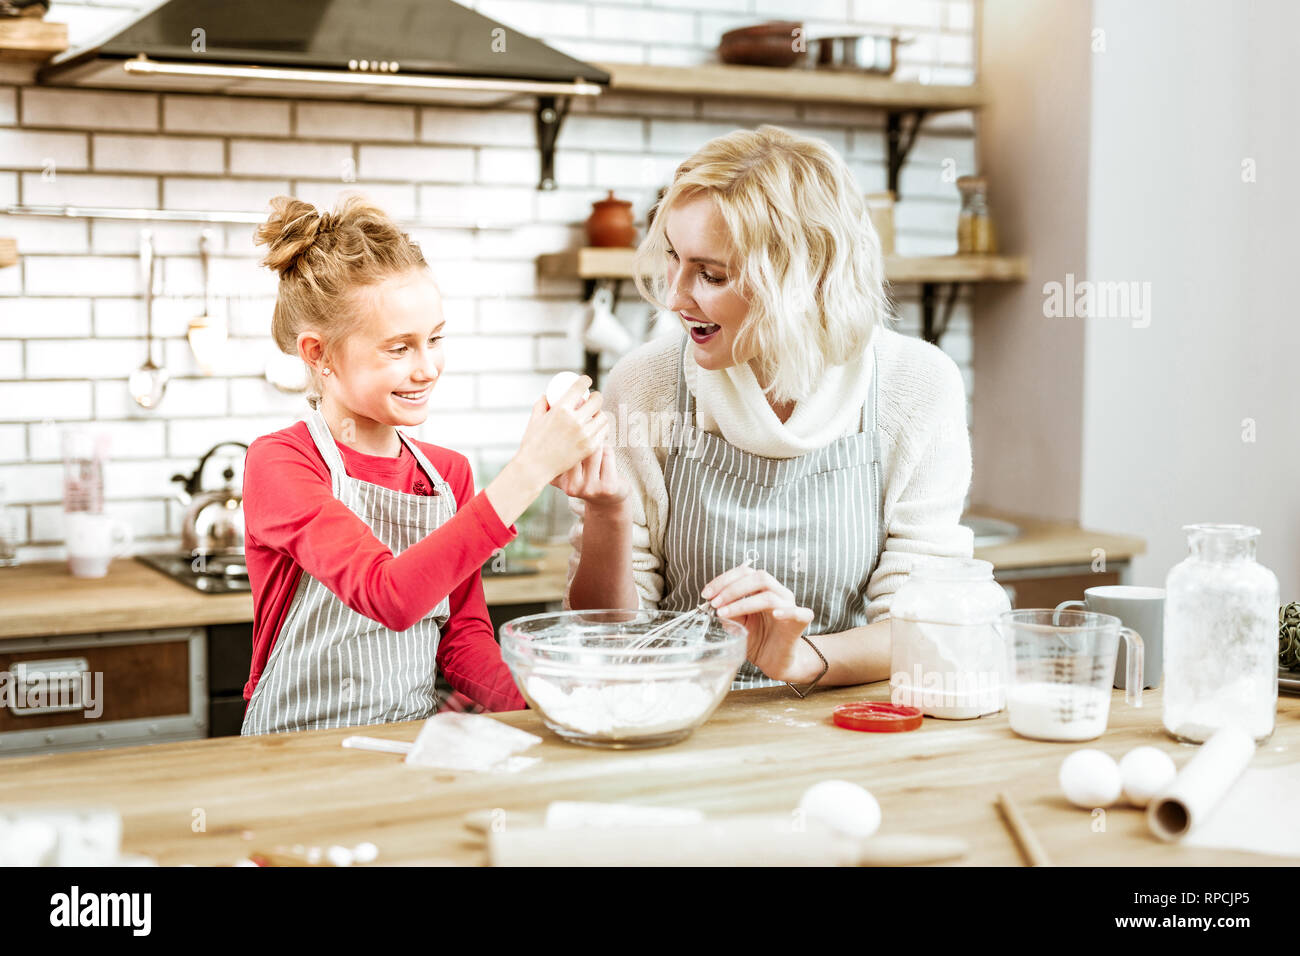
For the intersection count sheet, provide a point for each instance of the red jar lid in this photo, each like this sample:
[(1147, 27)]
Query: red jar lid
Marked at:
[(876, 718)]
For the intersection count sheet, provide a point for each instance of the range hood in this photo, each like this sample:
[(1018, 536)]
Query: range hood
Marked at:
[(407, 51)]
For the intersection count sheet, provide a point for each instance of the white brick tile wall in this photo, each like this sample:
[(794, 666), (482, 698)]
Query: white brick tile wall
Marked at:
[(396, 200), (269, 158), (148, 153), (371, 121), (13, 443), (88, 109), (235, 195), (138, 439), (80, 275), (169, 238), (648, 26), (507, 329), (225, 115), (25, 149), (496, 203), (428, 164), (88, 189), (184, 398), (32, 483), (37, 401), (22, 317), (534, 17), (89, 359), (42, 234), (477, 127), (11, 360)]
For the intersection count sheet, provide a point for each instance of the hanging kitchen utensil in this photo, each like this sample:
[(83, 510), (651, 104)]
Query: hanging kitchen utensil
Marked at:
[(149, 381), (207, 335)]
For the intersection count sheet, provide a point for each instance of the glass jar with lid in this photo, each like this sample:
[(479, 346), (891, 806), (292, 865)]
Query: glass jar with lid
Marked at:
[(947, 656), (1220, 636), (975, 233)]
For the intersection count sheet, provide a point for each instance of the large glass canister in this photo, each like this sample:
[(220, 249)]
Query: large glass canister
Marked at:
[(947, 656), (1220, 636)]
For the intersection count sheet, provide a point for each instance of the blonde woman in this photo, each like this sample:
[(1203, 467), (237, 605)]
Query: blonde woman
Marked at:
[(813, 453)]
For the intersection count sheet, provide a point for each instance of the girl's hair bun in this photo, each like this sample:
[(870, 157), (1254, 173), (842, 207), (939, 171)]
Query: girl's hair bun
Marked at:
[(288, 233)]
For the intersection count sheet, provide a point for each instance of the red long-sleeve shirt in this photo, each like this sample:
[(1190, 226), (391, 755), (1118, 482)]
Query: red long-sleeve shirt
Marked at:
[(293, 523)]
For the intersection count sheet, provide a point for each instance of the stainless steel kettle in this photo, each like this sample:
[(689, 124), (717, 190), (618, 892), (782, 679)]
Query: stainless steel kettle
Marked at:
[(214, 520)]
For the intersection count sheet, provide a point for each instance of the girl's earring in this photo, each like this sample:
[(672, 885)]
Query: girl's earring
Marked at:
[(325, 371)]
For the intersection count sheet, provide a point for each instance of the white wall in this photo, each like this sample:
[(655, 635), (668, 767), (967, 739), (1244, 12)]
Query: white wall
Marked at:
[(1184, 92), (1033, 147)]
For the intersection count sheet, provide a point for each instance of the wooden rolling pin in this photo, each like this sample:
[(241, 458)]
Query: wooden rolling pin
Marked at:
[(730, 841)]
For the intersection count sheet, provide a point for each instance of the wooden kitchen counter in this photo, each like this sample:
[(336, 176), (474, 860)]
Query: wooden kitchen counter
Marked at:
[(758, 753), (1045, 544), (43, 599)]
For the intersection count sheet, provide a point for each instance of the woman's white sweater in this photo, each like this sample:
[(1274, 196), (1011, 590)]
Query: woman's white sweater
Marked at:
[(924, 445)]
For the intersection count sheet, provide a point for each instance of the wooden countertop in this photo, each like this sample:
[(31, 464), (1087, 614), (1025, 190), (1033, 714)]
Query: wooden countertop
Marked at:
[(43, 599), (1045, 544), (758, 753)]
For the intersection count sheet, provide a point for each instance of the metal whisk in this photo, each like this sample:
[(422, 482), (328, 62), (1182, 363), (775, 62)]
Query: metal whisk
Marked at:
[(704, 609)]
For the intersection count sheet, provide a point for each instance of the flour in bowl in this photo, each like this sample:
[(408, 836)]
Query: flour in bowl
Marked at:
[(623, 709)]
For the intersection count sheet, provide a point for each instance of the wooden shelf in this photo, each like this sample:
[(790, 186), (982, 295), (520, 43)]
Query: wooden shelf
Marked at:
[(26, 38), (592, 263), (793, 84), (956, 268), (8, 252)]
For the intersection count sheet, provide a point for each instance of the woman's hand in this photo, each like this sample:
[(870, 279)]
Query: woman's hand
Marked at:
[(559, 437), (596, 480), (767, 610)]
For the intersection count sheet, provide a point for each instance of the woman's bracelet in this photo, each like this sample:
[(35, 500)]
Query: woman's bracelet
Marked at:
[(826, 665)]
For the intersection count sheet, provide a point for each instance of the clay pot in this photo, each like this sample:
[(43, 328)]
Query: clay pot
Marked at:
[(611, 223)]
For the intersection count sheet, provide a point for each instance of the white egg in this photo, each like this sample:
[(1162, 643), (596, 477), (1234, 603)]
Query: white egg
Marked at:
[(1090, 779), (558, 385), (1145, 772), (844, 807)]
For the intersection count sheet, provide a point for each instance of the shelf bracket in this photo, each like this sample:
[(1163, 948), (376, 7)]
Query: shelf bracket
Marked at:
[(931, 330), (899, 137), (551, 111)]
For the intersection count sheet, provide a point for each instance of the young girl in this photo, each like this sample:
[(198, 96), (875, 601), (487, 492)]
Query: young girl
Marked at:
[(816, 451), (363, 545)]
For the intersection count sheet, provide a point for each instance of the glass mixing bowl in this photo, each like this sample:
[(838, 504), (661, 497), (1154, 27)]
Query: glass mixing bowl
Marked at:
[(578, 669)]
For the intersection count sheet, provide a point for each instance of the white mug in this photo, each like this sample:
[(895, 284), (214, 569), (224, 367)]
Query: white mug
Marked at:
[(93, 541)]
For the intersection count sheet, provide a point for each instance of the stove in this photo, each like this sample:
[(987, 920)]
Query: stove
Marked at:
[(211, 574)]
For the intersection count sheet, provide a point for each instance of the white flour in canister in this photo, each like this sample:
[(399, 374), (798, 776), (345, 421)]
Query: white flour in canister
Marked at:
[(1044, 710), (623, 709)]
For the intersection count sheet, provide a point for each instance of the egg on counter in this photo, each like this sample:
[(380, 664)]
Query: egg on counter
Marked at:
[(1090, 779), (1145, 771), (843, 806)]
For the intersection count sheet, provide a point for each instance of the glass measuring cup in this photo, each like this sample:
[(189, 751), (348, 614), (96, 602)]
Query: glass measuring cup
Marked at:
[(1061, 666)]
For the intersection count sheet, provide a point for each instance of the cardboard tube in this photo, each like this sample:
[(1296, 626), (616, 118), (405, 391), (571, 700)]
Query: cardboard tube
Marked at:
[(1200, 785)]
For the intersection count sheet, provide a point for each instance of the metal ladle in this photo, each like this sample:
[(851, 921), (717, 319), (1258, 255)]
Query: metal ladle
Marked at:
[(149, 381)]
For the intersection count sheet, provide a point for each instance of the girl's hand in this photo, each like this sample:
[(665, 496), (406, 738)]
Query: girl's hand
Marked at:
[(558, 438), (767, 610), (596, 480)]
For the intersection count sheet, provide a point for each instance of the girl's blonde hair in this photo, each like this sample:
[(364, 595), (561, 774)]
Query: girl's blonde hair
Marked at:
[(324, 261), (810, 261)]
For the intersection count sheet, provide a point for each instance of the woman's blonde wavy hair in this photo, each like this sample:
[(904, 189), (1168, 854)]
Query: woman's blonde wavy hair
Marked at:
[(810, 262), (324, 261)]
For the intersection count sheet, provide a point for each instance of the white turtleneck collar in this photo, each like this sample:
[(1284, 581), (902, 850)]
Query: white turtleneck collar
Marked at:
[(730, 403)]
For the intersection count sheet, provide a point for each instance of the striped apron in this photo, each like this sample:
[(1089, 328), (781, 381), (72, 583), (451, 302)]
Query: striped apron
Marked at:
[(333, 667), (813, 522)]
